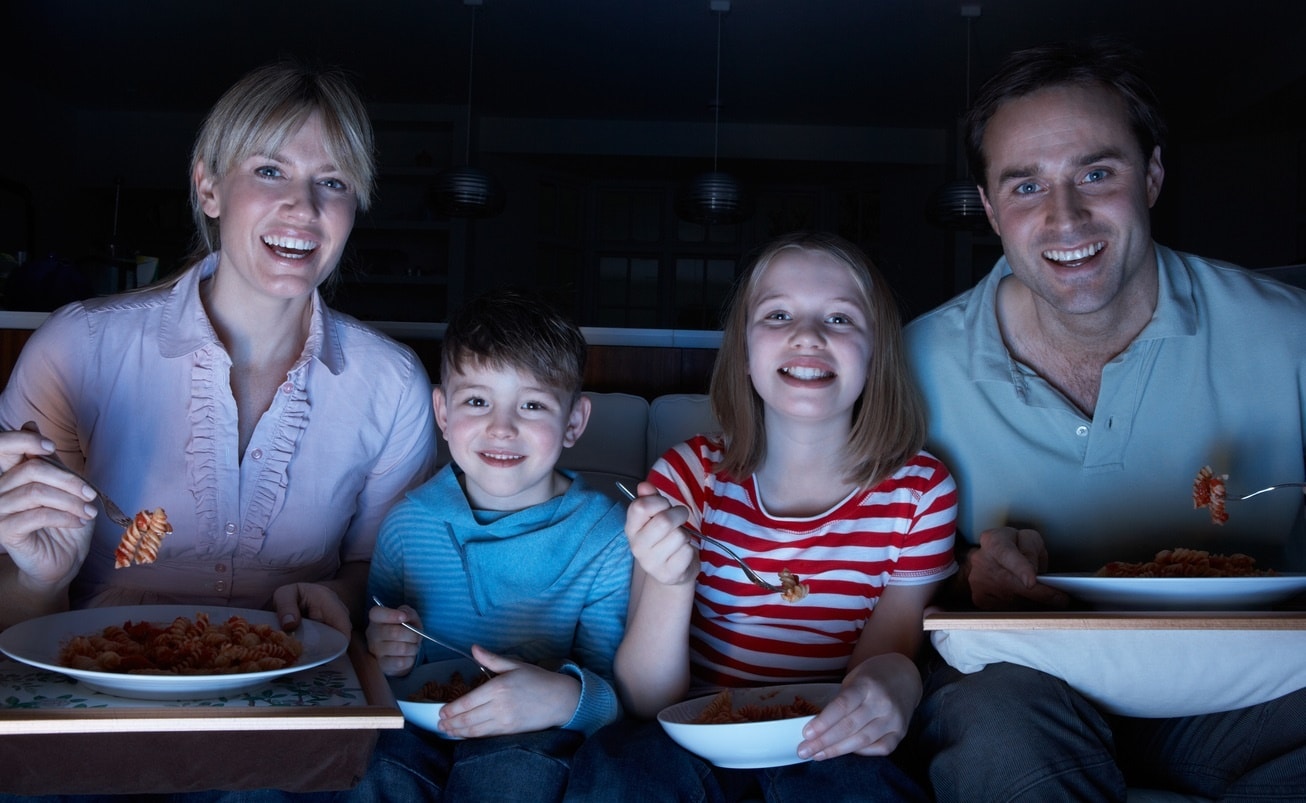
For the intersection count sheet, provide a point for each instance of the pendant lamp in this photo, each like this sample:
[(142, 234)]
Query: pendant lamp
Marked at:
[(467, 191), (956, 205), (713, 197)]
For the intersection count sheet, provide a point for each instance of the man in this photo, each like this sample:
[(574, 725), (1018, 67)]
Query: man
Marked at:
[(1075, 393)]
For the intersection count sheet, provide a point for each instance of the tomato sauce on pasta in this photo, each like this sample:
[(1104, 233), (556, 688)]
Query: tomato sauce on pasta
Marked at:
[(183, 647)]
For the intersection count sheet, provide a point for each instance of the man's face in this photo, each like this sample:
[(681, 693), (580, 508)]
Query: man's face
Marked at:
[(1070, 193)]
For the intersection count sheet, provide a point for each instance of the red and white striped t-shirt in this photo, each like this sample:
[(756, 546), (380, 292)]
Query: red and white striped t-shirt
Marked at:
[(897, 533)]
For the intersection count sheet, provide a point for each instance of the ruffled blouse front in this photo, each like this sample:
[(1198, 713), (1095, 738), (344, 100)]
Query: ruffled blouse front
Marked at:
[(137, 388)]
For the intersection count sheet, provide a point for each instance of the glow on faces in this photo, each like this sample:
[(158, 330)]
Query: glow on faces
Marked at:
[(284, 218), (505, 430), (809, 340), (1069, 192)]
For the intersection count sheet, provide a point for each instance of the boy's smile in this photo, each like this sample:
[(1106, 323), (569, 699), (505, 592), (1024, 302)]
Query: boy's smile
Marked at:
[(506, 430)]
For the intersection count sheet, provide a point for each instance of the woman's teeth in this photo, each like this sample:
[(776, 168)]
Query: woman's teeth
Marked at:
[(1074, 255), (291, 247)]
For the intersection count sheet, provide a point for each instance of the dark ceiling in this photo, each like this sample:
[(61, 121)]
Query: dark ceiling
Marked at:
[(892, 63)]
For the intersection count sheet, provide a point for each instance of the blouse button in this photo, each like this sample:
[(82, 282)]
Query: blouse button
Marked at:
[(286, 387), (257, 454), (230, 529), (220, 586), (220, 568), (1081, 430)]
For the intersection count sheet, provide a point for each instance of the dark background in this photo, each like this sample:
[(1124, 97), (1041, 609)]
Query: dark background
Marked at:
[(837, 114)]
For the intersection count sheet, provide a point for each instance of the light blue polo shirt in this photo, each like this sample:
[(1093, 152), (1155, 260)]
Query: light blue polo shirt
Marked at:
[(1218, 377)]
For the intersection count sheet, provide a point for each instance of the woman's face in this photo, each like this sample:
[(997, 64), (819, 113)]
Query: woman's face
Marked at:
[(284, 217)]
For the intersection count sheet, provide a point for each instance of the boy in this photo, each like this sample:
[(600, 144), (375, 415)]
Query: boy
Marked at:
[(504, 552)]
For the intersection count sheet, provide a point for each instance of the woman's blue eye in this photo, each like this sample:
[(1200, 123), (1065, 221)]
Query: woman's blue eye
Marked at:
[(267, 171), (334, 183)]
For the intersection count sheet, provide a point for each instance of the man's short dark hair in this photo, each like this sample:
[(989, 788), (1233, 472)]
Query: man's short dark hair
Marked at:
[(520, 330), (1095, 62)]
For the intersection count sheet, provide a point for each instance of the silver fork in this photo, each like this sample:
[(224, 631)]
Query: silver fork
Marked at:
[(488, 674), (752, 575), (1270, 488), (111, 510)]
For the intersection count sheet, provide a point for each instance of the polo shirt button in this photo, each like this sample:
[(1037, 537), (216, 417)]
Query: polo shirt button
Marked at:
[(257, 454), (230, 529), (286, 387), (1081, 430), (221, 585)]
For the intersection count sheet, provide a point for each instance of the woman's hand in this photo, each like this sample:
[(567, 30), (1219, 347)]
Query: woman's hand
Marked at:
[(314, 600), (662, 549), (870, 714), (521, 697), (46, 514), (396, 647)]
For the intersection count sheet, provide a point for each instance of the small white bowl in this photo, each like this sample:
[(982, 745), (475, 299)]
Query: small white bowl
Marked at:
[(427, 715), (746, 745)]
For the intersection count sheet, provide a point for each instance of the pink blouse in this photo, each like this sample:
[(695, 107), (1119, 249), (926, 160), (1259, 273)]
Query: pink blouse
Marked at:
[(135, 389)]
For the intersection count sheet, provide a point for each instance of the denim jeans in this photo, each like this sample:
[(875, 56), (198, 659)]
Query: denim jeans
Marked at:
[(414, 765), (1010, 733), (635, 761)]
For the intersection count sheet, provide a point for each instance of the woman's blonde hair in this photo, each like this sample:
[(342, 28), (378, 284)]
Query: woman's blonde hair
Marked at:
[(888, 426), (264, 109)]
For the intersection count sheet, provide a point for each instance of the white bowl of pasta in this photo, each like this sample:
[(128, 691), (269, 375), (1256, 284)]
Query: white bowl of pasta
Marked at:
[(424, 691), (747, 728)]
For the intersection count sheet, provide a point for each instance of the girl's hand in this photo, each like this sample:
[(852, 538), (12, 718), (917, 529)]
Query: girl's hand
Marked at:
[(395, 646), (521, 697), (46, 514), (662, 549), (870, 714)]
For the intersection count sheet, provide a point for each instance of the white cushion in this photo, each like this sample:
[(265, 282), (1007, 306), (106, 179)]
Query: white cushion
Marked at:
[(1146, 673), (676, 417), (613, 441)]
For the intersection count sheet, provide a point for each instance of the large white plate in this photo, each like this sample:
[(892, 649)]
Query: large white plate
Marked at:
[(37, 642), (1178, 593), (773, 743)]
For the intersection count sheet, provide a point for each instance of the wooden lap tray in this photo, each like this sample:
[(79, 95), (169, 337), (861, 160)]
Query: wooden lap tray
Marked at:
[(60, 738)]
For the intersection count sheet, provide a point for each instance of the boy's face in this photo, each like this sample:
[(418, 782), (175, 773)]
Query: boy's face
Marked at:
[(505, 430)]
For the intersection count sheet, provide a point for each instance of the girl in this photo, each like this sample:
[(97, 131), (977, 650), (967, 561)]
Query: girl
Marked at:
[(819, 470)]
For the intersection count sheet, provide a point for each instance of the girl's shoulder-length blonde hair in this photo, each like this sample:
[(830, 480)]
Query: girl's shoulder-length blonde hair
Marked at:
[(264, 109), (888, 426)]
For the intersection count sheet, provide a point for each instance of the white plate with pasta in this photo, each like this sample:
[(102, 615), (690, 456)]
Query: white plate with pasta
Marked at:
[(1178, 593), (40, 643)]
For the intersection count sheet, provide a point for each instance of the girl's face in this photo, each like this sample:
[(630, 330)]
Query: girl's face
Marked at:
[(809, 340), (284, 217)]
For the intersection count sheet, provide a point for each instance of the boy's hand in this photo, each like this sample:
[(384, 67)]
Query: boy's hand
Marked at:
[(663, 550), (395, 646), (520, 698)]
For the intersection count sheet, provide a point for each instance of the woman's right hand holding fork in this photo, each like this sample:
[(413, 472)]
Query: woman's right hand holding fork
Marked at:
[(47, 516)]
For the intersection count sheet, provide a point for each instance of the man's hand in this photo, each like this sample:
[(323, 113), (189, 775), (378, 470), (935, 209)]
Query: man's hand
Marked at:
[(1003, 571)]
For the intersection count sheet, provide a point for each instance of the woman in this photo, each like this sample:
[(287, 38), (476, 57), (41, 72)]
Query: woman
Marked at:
[(274, 432)]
